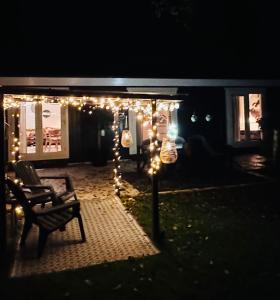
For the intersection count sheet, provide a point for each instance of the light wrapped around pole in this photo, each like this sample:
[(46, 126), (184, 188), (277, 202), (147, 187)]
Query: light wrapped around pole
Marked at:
[(168, 152), (117, 157), (126, 139)]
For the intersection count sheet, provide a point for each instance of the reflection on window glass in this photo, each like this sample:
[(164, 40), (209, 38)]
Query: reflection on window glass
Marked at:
[(240, 132), (162, 126), (255, 115), (51, 122), (27, 128)]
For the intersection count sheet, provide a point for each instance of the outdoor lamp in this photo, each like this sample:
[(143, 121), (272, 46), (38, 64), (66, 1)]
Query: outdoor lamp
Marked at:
[(126, 139), (168, 152), (194, 118), (172, 131), (208, 117)]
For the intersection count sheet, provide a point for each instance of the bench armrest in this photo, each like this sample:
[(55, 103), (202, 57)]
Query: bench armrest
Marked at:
[(68, 181), (75, 204)]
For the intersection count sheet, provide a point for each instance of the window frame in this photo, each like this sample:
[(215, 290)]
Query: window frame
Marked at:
[(231, 94), (39, 153)]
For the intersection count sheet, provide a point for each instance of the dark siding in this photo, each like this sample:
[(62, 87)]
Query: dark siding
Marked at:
[(75, 139), (204, 101), (271, 120), (83, 135)]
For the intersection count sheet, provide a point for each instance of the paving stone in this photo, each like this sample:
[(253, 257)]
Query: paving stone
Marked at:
[(112, 233)]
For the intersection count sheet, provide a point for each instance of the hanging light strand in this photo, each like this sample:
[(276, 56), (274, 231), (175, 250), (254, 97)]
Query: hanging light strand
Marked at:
[(116, 152), (142, 106), (15, 149), (154, 145)]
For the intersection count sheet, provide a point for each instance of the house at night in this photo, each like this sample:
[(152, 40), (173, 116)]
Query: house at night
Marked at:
[(236, 113), (60, 80)]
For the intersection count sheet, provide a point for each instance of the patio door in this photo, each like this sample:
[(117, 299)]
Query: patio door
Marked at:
[(244, 112), (43, 131)]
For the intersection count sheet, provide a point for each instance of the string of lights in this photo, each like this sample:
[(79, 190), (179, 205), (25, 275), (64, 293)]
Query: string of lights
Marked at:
[(88, 104), (15, 154), (146, 110), (116, 151), (154, 145)]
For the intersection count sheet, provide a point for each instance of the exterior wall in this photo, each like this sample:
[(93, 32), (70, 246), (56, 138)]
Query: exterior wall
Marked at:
[(83, 129), (271, 122), (203, 101)]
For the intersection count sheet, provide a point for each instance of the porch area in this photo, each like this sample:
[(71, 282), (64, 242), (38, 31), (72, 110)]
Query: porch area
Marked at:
[(112, 233)]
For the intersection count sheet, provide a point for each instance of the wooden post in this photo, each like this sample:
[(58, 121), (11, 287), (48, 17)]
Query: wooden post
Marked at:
[(155, 208), (3, 233)]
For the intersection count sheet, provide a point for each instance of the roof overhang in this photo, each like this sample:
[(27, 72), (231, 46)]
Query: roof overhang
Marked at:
[(132, 82)]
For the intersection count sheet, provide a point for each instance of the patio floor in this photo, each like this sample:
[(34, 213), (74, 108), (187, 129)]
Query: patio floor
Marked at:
[(112, 233)]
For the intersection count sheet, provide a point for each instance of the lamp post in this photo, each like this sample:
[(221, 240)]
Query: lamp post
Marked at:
[(153, 151)]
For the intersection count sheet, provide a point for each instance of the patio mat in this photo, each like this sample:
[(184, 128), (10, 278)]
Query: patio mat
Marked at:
[(112, 234)]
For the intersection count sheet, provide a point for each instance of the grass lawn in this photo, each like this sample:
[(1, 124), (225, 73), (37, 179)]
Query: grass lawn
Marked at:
[(218, 245), (173, 177)]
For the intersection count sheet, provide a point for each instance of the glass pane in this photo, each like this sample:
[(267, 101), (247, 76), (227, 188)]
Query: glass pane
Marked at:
[(147, 129), (240, 122), (51, 123), (162, 126), (255, 115), (27, 128), (163, 122)]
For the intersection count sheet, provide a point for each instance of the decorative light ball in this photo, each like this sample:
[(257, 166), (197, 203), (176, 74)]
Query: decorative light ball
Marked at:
[(172, 131), (126, 139), (208, 117), (194, 118), (168, 152)]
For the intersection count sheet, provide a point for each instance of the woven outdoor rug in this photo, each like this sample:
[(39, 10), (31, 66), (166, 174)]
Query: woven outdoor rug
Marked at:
[(112, 233)]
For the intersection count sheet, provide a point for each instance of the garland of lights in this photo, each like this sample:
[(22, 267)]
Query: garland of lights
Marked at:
[(116, 150), (16, 143), (141, 106), (16, 154), (154, 146), (145, 109)]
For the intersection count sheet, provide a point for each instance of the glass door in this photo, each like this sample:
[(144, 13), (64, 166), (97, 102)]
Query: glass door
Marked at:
[(43, 131)]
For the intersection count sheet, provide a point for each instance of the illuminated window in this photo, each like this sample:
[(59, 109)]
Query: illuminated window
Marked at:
[(248, 114), (163, 121), (255, 116), (51, 123), (43, 131)]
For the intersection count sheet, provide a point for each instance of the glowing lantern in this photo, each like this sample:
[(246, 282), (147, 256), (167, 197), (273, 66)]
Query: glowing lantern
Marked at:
[(172, 131), (126, 139), (194, 118), (168, 152)]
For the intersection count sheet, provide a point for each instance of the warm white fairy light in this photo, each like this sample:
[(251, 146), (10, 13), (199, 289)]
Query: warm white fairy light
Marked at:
[(155, 161), (142, 107), (15, 140), (117, 157)]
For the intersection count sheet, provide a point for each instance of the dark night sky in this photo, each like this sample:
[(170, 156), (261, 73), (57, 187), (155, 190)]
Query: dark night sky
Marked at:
[(124, 38)]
